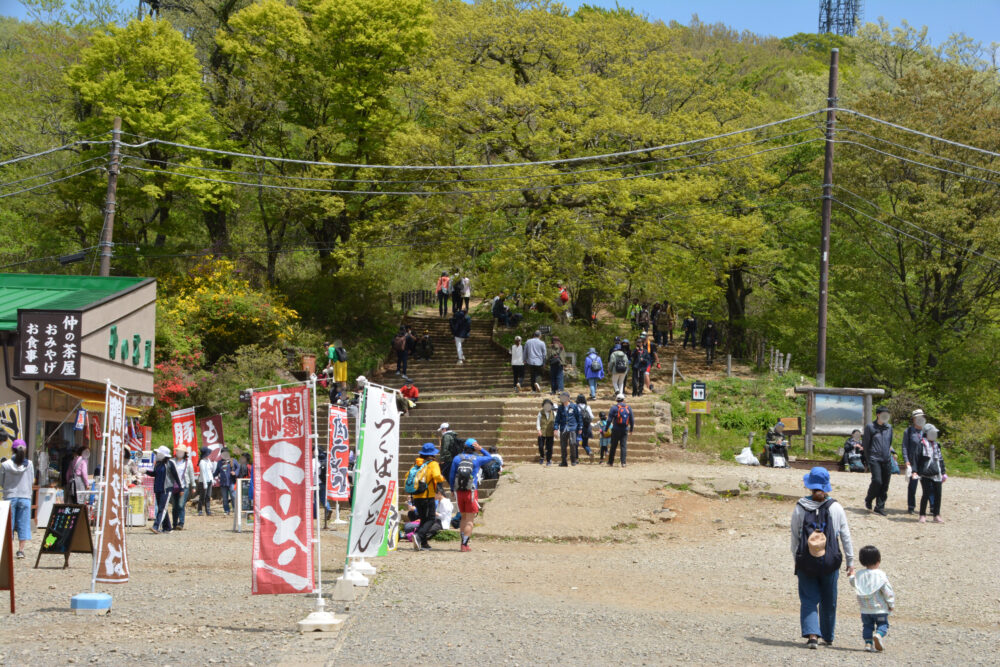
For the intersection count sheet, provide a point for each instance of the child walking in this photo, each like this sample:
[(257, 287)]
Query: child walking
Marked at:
[(605, 435), (875, 597)]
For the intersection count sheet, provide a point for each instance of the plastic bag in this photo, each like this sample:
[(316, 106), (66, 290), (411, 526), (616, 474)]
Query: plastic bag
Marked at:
[(747, 458)]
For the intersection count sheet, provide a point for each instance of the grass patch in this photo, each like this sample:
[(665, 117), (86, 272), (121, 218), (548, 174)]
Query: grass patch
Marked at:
[(447, 536)]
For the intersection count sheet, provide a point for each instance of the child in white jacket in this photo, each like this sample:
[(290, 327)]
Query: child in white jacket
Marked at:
[(875, 597)]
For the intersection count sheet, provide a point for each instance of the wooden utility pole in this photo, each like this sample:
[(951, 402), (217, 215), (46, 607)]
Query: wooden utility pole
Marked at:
[(824, 245), (108, 230)]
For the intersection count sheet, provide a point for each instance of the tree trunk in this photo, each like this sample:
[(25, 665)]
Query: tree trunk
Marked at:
[(737, 292)]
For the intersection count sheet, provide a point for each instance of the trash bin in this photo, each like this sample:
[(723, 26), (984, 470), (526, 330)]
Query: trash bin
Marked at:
[(309, 363)]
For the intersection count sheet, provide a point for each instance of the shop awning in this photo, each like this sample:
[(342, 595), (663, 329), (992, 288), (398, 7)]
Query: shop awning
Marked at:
[(90, 400)]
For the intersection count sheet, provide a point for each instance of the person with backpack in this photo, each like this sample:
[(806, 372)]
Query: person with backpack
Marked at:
[(422, 483), (638, 365), (517, 362), (605, 426), (557, 359), (451, 445), (443, 289), (877, 443), (588, 420), (456, 291), (463, 479), (648, 348), (818, 521), (593, 370), (425, 346), (569, 423), (690, 328), (709, 341), (545, 424), (534, 356), (337, 355), (931, 472), (461, 329), (913, 438), (618, 363), (400, 345), (622, 424)]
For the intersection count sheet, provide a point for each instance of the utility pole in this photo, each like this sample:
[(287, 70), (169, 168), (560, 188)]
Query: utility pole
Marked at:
[(108, 230), (824, 244)]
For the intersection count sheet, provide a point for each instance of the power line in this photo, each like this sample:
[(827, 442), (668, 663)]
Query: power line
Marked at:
[(50, 151), (333, 179), (42, 259), (920, 152), (49, 173), (428, 193), (919, 133), (52, 182), (916, 162), (571, 160)]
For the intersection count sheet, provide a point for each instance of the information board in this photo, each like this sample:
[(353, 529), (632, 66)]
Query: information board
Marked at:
[(698, 391), (698, 408), (68, 531)]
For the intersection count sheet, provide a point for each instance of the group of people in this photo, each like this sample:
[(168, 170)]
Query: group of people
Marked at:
[(454, 289), (174, 478), (576, 425), (659, 317)]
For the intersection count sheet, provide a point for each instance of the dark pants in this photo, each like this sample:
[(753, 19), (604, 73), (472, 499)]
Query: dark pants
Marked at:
[(878, 490), (518, 374), (425, 512), (401, 359), (617, 438), (161, 520), (585, 440), (556, 377), (818, 593), (466, 300), (205, 499), (709, 354), (911, 493), (442, 304), (930, 491), (456, 301), (637, 382), (545, 443), (689, 336), (568, 441), (535, 371), (227, 493)]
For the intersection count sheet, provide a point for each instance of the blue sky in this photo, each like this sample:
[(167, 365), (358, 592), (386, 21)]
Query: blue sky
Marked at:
[(977, 19)]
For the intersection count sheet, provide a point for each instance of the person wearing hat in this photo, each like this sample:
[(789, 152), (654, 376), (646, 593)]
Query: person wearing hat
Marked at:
[(912, 439), (517, 362), (450, 445), (930, 471), (185, 473), (17, 475), (775, 443), (545, 424), (569, 423), (463, 478), (424, 500), (818, 521), (618, 364), (534, 357), (622, 424), (165, 484), (877, 443), (410, 393)]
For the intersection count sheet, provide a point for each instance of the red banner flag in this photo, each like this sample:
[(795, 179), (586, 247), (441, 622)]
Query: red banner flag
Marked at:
[(283, 486), (186, 433), (338, 457), (112, 561), (96, 426), (211, 436)]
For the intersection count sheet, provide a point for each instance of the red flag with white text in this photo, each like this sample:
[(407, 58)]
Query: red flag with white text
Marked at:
[(338, 457)]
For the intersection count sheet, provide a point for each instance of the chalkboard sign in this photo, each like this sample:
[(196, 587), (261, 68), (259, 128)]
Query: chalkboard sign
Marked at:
[(68, 531)]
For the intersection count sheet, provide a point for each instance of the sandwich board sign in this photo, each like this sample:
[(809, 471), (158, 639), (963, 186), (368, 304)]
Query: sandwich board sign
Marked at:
[(68, 531)]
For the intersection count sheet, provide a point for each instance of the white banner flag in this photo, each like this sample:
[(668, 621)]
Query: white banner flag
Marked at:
[(375, 474)]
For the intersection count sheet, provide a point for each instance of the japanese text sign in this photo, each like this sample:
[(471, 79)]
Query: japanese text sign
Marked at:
[(375, 476), (282, 483), (48, 344), (112, 560), (10, 424), (338, 458), (184, 429), (211, 436)]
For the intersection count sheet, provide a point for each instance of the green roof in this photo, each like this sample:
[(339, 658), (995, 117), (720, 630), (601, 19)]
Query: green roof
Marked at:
[(25, 290)]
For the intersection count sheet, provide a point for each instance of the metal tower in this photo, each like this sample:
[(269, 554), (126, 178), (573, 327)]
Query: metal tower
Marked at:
[(841, 17)]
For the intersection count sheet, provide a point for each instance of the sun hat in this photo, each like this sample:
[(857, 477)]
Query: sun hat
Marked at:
[(428, 450), (163, 451), (817, 479), (471, 443), (444, 427), (181, 449), (917, 413)]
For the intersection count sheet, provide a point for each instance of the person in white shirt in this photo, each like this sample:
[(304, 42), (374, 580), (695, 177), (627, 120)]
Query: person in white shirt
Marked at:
[(466, 291), (445, 509), (185, 473), (206, 477), (17, 475), (517, 362)]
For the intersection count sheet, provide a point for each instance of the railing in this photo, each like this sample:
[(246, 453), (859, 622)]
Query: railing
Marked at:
[(417, 297)]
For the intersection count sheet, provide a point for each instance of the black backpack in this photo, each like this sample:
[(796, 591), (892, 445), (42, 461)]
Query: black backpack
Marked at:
[(818, 521), (464, 474), (492, 469), (451, 445), (595, 365), (621, 365), (341, 354)]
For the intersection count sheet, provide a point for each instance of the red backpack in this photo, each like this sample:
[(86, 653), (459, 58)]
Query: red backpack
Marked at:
[(564, 295)]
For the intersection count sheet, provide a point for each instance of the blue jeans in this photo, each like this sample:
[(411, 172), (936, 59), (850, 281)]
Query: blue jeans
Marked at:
[(874, 623), (227, 493), (20, 510), (818, 592), (179, 504), (556, 378), (593, 387)]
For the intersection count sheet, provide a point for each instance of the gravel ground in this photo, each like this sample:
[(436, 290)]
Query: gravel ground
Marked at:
[(713, 585)]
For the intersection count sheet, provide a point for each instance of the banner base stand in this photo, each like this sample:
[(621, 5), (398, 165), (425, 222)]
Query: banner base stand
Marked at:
[(319, 620), (338, 522), (95, 604), (364, 567), (343, 591), (353, 576)]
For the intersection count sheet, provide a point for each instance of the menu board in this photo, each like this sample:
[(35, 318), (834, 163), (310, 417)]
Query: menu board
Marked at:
[(48, 345), (68, 531)]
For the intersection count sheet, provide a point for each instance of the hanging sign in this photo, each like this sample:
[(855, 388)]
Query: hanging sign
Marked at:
[(112, 559), (282, 489), (338, 488), (375, 475), (48, 345), (211, 436), (95, 425), (81, 420)]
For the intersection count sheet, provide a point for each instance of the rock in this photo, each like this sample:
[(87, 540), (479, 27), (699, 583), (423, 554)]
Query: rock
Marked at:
[(666, 515), (703, 490), (728, 486)]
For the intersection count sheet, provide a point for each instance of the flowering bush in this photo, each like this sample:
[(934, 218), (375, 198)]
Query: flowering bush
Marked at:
[(174, 381), (214, 310)]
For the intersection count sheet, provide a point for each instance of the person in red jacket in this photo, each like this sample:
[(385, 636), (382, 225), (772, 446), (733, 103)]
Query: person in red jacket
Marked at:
[(443, 289), (410, 391)]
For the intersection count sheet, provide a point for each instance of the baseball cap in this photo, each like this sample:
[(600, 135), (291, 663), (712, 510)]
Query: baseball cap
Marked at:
[(620, 397)]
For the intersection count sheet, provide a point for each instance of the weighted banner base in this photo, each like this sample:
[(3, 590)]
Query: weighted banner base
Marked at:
[(91, 604), (363, 566), (353, 576), (320, 620), (343, 591)]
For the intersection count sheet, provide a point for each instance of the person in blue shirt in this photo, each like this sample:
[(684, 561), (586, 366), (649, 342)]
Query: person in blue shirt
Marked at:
[(165, 480), (463, 479), (226, 473), (569, 423)]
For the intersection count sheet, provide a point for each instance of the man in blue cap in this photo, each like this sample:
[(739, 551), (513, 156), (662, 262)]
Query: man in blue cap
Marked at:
[(423, 501), (818, 521), (464, 481)]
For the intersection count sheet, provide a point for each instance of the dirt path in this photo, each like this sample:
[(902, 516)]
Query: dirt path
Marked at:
[(571, 566)]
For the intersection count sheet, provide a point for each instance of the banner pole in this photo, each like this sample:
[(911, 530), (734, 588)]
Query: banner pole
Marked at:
[(101, 489)]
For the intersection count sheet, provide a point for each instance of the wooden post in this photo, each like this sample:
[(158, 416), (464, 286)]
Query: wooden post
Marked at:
[(684, 437), (808, 439), (697, 426), (673, 375), (729, 365), (993, 458), (788, 361), (108, 230)]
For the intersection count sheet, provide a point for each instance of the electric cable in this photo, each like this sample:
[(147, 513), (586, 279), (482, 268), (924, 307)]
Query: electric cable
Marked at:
[(49, 173), (915, 150), (52, 182), (917, 132), (49, 151), (915, 162)]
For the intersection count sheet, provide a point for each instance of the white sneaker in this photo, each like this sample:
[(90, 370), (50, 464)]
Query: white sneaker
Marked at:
[(460, 361), (879, 642)]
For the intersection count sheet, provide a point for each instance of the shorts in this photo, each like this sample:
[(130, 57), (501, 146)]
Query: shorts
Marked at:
[(20, 509), (468, 501), (648, 369)]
